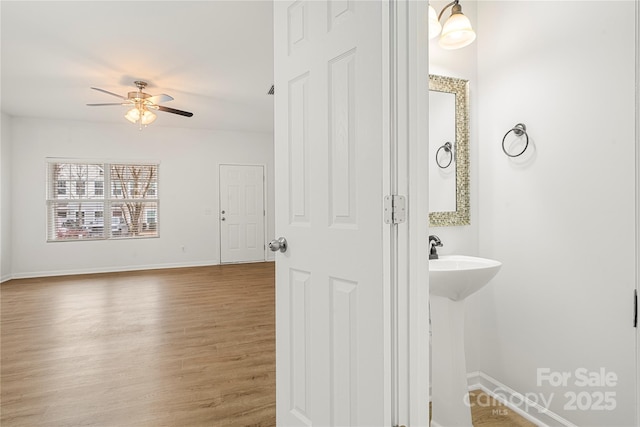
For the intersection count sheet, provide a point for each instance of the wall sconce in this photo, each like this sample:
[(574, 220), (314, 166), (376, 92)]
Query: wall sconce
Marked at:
[(456, 32)]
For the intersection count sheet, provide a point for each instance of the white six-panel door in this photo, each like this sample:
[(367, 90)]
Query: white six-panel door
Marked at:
[(241, 213), (332, 352)]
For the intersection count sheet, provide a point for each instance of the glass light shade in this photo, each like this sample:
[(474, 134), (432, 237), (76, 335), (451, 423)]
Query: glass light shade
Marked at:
[(457, 32), (148, 117), (434, 24), (133, 115)]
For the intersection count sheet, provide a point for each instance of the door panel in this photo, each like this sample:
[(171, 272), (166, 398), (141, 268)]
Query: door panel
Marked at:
[(241, 213), (332, 359)]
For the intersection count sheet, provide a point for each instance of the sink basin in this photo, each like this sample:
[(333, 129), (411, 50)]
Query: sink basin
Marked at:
[(458, 276)]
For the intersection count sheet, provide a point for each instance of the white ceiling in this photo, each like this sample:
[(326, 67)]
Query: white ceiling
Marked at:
[(214, 57)]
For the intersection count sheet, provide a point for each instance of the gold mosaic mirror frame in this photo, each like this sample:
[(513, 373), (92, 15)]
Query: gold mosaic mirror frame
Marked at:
[(460, 88)]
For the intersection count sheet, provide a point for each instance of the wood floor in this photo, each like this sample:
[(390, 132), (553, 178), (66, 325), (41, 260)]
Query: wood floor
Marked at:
[(177, 347), (488, 412)]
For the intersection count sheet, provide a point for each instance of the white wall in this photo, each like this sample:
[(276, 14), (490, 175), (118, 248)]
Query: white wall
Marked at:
[(561, 217), (5, 198), (462, 64), (188, 184)]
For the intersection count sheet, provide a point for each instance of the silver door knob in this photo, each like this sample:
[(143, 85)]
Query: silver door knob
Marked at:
[(278, 245)]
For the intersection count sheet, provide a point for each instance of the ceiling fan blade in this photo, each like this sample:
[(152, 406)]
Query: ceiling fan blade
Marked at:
[(156, 99), (110, 103), (173, 110), (107, 92)]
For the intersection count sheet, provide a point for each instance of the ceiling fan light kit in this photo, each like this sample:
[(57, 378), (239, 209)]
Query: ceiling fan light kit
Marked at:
[(141, 103), (134, 116)]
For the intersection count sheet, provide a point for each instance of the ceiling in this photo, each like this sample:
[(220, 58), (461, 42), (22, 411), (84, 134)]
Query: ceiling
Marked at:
[(215, 58)]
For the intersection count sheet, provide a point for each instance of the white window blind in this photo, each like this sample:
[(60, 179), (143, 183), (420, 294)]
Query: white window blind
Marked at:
[(93, 200)]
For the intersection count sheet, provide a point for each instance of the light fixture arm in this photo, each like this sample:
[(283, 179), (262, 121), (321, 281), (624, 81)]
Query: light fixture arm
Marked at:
[(456, 8)]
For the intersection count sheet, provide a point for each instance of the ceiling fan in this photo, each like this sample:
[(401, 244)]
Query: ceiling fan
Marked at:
[(141, 104)]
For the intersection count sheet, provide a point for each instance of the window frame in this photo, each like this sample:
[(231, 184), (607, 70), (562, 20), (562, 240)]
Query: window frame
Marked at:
[(104, 204)]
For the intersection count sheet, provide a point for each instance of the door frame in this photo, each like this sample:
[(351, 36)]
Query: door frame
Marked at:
[(264, 207), (406, 263), (409, 132), (637, 145)]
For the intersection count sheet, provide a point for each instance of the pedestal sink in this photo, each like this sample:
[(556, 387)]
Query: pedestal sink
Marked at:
[(452, 278)]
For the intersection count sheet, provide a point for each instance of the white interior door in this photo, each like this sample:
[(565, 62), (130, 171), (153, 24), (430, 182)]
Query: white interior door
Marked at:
[(332, 362), (241, 213)]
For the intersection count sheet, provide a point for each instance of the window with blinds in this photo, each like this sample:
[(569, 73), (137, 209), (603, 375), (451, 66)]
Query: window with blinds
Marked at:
[(93, 200)]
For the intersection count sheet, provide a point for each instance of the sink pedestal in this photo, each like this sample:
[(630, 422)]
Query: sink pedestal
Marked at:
[(450, 393), (452, 278)]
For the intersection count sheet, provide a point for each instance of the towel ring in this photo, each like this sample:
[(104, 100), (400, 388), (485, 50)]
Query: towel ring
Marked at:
[(518, 130), (447, 148)]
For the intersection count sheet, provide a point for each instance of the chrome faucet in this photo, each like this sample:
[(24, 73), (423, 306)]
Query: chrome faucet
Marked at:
[(434, 241)]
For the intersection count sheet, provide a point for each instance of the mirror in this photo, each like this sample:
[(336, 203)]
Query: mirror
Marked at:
[(448, 151)]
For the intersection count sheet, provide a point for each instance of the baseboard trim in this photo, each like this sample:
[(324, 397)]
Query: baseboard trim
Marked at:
[(114, 269), (532, 411), (118, 269)]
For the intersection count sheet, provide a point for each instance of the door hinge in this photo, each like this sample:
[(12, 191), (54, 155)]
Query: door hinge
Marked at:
[(395, 209), (635, 308)]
